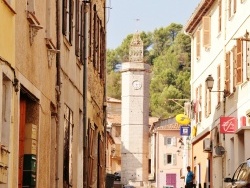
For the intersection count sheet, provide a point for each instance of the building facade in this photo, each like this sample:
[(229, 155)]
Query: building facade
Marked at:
[(220, 53), (168, 153), (8, 97), (53, 93)]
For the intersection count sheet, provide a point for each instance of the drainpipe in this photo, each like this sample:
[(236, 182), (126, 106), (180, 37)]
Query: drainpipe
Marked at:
[(224, 95), (85, 99), (58, 87)]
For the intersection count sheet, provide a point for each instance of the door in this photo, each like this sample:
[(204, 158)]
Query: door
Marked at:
[(171, 180), (21, 141)]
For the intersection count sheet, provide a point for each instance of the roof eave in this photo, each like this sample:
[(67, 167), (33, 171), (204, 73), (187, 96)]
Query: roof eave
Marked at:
[(197, 15)]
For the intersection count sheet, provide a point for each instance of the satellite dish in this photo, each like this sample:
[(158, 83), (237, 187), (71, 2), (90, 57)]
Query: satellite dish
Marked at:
[(219, 150)]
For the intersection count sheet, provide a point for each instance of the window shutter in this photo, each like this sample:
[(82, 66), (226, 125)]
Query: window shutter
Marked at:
[(64, 24), (235, 6), (219, 18), (174, 159), (77, 29), (71, 24), (206, 31), (206, 101), (229, 9), (239, 62), (198, 44), (200, 103), (248, 60), (218, 84), (165, 140), (165, 158), (234, 66), (173, 141), (227, 72), (196, 105)]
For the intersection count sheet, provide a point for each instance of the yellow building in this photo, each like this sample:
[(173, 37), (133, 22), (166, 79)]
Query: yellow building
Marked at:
[(8, 81)]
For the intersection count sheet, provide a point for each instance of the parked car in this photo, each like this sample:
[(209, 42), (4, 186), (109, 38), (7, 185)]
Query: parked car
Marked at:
[(241, 177), (117, 176)]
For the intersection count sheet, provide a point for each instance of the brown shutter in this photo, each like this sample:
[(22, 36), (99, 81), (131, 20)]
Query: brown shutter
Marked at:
[(64, 24), (209, 102), (235, 6), (206, 31), (196, 105), (91, 130), (239, 62), (71, 24), (229, 9), (200, 103), (198, 44), (218, 84), (234, 50), (77, 29), (227, 72), (219, 18), (83, 33), (248, 59)]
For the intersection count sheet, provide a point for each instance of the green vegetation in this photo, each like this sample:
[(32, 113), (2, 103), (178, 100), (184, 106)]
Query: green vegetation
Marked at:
[(167, 50)]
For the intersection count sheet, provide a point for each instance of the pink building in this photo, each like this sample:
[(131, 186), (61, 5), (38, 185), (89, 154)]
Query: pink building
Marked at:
[(166, 155)]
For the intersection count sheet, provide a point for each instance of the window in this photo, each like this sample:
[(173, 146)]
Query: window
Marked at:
[(232, 7), (170, 159), (48, 19), (206, 31), (77, 28), (92, 145), (67, 147), (31, 6), (6, 111), (169, 141), (68, 9)]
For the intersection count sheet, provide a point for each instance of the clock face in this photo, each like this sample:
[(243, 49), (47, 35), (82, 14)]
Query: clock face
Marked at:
[(136, 84)]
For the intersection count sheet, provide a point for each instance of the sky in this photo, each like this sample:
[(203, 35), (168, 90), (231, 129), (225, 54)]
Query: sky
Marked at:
[(125, 17)]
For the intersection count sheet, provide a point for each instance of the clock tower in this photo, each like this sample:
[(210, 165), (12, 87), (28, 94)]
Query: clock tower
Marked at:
[(135, 116)]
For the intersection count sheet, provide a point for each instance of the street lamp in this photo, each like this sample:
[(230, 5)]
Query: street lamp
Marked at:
[(210, 82)]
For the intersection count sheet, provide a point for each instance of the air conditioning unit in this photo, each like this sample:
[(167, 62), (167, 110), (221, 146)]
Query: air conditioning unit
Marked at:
[(218, 151), (207, 145)]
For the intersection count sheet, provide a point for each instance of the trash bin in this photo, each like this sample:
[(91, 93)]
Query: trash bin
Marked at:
[(110, 178)]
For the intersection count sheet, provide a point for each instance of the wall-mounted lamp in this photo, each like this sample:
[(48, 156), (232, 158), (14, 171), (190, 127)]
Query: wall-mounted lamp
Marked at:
[(210, 83)]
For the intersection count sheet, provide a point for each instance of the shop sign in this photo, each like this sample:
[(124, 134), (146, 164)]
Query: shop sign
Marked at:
[(182, 119), (228, 125)]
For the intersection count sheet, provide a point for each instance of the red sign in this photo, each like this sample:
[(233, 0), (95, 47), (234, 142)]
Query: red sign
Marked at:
[(228, 125)]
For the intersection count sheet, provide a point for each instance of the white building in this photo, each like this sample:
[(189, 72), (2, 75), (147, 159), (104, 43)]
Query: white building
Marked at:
[(220, 48)]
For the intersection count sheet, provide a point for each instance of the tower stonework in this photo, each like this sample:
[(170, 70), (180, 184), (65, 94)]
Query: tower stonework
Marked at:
[(135, 115)]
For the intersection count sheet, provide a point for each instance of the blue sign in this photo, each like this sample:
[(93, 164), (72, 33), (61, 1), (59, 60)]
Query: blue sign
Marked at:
[(185, 130)]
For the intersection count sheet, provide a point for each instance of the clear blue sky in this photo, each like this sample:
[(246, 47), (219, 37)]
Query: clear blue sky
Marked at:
[(152, 14)]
